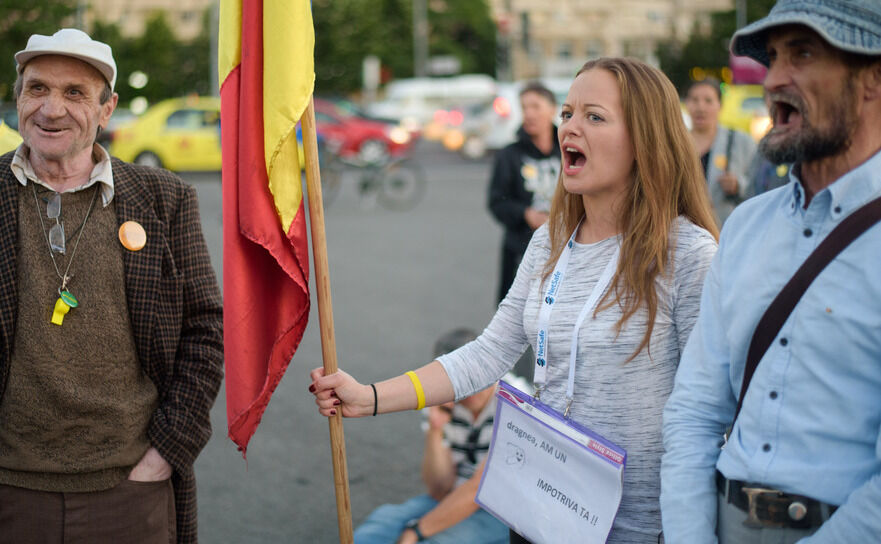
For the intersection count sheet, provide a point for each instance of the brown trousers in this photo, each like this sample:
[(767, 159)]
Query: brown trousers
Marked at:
[(131, 512)]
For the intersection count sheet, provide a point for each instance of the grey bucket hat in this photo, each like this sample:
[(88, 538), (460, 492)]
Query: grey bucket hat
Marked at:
[(849, 25)]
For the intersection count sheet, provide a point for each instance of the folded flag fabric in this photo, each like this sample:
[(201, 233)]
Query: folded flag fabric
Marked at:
[(266, 69)]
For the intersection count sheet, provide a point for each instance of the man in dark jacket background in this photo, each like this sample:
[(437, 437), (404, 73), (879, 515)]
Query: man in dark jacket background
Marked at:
[(524, 177)]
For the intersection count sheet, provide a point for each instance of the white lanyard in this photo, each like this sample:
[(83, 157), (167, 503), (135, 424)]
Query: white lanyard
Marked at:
[(544, 317)]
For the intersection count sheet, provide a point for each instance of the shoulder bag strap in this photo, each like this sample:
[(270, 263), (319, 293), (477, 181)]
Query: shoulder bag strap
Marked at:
[(728, 151), (778, 312), (728, 147)]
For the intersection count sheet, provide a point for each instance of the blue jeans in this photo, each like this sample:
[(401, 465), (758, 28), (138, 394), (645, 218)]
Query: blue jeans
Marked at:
[(385, 524)]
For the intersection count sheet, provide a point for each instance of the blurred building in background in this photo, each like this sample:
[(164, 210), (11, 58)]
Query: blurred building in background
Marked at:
[(183, 16), (542, 38)]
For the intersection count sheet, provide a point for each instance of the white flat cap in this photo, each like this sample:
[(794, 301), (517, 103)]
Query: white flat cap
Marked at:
[(71, 42)]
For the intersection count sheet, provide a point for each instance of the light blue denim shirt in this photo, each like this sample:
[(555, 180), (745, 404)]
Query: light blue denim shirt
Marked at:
[(811, 419)]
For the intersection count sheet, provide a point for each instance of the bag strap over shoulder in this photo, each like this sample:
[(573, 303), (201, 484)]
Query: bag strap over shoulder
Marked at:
[(778, 312), (729, 144)]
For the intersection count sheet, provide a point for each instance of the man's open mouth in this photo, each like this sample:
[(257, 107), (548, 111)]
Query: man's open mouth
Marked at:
[(786, 111)]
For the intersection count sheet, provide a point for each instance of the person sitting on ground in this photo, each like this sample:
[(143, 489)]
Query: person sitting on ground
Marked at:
[(456, 444)]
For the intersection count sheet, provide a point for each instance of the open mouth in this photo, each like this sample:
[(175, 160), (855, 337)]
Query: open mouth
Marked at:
[(786, 112), (573, 159)]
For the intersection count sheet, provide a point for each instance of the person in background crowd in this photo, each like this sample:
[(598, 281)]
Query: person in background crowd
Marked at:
[(110, 319), (803, 459), (767, 175), (524, 177), (631, 194), (726, 155), (456, 443)]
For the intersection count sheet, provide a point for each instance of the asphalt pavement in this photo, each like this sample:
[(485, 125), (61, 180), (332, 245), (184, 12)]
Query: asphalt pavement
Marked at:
[(399, 280)]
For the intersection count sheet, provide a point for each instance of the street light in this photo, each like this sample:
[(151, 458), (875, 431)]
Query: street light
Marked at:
[(138, 80)]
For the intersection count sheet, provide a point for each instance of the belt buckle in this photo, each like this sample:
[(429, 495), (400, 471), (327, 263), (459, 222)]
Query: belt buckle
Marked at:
[(752, 519)]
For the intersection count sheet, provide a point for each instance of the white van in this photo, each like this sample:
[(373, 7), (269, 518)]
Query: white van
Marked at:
[(494, 125), (413, 102)]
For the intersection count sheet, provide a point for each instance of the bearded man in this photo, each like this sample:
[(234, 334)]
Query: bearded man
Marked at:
[(802, 461)]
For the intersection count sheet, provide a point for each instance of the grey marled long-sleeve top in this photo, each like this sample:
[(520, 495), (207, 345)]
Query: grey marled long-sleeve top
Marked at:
[(621, 401)]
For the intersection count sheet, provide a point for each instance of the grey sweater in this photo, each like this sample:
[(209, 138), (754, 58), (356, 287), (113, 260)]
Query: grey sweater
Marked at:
[(622, 402)]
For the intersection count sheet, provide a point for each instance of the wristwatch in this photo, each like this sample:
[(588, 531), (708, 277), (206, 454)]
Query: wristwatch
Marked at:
[(413, 525)]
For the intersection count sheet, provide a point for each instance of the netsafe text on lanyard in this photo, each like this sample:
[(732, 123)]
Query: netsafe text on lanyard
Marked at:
[(547, 477)]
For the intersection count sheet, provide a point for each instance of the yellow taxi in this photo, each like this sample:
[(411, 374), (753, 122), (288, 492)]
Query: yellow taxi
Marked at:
[(180, 134), (9, 138), (744, 109), (177, 134)]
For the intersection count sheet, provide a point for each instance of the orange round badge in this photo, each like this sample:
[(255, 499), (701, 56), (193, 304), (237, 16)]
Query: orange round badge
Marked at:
[(132, 235)]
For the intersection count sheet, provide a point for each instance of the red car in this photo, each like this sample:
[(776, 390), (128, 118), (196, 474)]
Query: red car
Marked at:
[(357, 138)]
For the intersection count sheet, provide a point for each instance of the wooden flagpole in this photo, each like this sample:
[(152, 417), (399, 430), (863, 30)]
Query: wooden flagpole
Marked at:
[(325, 318)]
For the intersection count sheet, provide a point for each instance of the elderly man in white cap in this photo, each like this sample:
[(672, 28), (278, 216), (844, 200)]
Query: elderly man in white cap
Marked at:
[(110, 320), (786, 353)]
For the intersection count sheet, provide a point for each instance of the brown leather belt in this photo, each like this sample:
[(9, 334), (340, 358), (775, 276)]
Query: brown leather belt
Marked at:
[(773, 508)]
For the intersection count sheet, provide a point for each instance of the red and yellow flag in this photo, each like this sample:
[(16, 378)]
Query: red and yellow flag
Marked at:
[(267, 76)]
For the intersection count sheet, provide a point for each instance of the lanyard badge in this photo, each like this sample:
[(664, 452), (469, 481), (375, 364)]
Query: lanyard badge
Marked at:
[(547, 306)]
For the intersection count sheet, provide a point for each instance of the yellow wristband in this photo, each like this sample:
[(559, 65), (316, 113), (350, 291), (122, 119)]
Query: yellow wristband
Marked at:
[(420, 393)]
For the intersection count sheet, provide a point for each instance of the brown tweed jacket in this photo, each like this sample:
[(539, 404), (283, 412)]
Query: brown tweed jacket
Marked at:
[(174, 305)]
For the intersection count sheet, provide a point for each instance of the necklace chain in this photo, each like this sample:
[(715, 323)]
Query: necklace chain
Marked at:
[(63, 277)]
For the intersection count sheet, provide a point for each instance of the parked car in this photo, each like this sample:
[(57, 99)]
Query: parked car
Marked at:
[(180, 134), (358, 138), (177, 134), (120, 117), (350, 108), (9, 115), (744, 109), (9, 138), (415, 102), (493, 124)]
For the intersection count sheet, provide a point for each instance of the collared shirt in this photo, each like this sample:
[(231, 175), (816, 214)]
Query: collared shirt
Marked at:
[(811, 419), (469, 438), (101, 173)]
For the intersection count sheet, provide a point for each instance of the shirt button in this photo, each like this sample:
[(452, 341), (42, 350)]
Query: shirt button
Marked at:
[(783, 341), (837, 209), (766, 447), (808, 233), (773, 395)]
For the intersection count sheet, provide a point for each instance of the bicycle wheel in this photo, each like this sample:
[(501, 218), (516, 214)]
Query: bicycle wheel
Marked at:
[(402, 185)]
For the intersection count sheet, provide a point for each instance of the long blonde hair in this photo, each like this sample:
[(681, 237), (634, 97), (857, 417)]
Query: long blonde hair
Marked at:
[(667, 183)]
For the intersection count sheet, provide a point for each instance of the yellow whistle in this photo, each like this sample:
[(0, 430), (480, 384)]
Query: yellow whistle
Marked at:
[(63, 305), (61, 308)]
